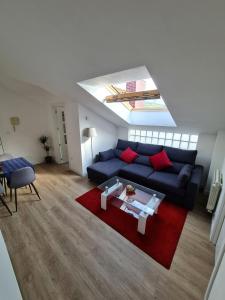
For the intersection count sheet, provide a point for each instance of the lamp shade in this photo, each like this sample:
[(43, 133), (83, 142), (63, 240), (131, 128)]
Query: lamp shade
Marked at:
[(91, 132)]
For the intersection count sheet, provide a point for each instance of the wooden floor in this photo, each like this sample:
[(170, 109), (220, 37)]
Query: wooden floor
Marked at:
[(59, 250)]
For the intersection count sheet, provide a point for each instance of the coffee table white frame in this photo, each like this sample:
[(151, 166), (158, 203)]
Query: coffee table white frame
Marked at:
[(142, 216)]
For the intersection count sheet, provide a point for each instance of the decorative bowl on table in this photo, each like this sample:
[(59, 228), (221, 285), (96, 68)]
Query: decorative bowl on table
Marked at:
[(130, 190)]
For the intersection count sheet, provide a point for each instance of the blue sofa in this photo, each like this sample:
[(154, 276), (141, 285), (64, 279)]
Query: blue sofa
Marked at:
[(180, 183)]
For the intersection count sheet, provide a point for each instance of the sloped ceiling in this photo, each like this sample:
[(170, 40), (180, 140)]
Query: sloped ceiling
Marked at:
[(53, 44)]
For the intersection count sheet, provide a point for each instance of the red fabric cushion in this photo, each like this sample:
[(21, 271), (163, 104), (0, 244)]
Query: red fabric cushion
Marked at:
[(128, 155), (160, 161)]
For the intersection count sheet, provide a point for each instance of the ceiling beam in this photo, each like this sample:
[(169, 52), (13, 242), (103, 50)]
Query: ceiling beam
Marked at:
[(133, 96)]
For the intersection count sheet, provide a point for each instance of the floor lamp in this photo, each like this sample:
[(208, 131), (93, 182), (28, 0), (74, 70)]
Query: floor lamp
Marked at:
[(91, 133)]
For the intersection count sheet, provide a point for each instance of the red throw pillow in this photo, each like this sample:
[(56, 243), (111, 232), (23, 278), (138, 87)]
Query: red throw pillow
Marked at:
[(128, 155), (160, 161)]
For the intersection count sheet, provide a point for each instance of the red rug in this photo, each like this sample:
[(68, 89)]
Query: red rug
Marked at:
[(162, 230)]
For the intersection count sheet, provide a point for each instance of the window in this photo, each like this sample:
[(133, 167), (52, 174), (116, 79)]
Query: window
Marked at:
[(177, 140), (132, 95)]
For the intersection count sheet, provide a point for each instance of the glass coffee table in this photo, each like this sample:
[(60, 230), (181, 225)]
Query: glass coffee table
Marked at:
[(132, 198)]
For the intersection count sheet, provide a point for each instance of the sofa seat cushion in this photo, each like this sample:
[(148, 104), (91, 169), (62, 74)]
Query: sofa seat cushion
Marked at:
[(136, 172), (108, 168), (165, 182)]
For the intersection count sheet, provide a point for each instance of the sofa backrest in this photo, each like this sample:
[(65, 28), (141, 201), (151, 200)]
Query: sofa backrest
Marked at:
[(180, 155), (148, 149), (174, 154), (123, 144)]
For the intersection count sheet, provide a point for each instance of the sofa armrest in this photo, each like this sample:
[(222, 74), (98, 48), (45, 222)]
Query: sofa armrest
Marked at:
[(193, 186)]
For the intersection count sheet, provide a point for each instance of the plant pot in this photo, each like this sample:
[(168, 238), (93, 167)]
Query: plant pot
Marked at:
[(48, 159)]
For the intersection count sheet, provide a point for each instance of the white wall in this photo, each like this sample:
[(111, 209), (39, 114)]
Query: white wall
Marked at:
[(217, 290), (205, 148), (107, 135), (205, 143), (123, 133), (162, 118), (34, 122), (78, 119), (217, 156)]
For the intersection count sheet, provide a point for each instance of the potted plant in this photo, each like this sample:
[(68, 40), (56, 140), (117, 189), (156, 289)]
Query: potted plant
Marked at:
[(44, 141)]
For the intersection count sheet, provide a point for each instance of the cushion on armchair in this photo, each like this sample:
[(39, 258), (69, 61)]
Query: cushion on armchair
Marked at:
[(106, 155), (185, 175)]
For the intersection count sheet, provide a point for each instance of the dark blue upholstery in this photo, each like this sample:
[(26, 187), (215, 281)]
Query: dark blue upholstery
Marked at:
[(143, 160), (104, 170), (117, 153), (122, 145), (179, 155), (166, 182), (193, 186), (148, 149), (179, 182), (136, 172), (185, 175), (106, 155), (175, 168)]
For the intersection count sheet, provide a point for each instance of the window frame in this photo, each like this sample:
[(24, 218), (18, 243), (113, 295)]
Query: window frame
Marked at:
[(180, 140)]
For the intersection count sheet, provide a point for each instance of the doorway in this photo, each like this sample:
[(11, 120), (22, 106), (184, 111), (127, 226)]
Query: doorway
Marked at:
[(60, 125)]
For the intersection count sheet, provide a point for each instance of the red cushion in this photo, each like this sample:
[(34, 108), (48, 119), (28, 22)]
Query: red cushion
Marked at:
[(160, 161), (128, 155)]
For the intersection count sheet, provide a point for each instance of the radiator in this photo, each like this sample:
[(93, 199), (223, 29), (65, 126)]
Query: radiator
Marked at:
[(215, 190)]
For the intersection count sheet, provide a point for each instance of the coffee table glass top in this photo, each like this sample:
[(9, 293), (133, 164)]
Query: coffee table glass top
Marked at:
[(142, 201)]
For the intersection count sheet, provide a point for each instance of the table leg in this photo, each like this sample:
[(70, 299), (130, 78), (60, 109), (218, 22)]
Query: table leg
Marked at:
[(108, 192), (103, 201), (142, 222)]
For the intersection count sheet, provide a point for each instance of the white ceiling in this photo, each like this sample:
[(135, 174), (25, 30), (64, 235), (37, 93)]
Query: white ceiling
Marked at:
[(53, 44)]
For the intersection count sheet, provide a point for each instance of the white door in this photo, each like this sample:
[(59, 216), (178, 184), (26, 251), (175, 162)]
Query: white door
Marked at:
[(61, 133), (216, 287)]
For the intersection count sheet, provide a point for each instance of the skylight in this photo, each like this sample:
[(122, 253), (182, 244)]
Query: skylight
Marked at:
[(132, 95)]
